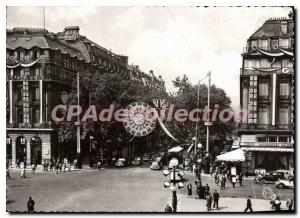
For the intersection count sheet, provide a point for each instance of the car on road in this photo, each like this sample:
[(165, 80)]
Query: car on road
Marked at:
[(147, 157), (137, 161), (156, 164), (269, 177), (121, 162), (285, 183), (287, 173)]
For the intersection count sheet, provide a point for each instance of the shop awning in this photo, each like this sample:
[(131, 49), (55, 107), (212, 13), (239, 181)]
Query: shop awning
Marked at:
[(232, 156), (269, 149), (175, 149)]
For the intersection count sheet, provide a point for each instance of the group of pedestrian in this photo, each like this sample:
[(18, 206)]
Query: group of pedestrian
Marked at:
[(212, 200)]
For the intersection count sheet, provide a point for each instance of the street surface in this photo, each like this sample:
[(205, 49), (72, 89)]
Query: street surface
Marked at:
[(128, 190)]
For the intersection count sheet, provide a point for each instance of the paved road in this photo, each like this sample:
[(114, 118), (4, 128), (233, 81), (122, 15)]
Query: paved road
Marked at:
[(110, 190)]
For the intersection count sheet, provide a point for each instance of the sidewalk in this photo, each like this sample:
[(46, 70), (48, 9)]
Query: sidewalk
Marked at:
[(225, 205)]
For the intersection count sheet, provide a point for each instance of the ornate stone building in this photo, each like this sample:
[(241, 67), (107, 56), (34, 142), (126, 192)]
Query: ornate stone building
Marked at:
[(266, 91), (40, 65)]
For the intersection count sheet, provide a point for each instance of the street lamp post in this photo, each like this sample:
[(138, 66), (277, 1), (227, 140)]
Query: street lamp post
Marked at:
[(91, 138), (173, 184)]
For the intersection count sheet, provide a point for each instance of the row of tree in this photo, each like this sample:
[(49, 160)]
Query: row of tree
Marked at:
[(103, 88)]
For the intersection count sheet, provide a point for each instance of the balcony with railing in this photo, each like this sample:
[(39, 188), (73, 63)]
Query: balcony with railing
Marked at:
[(260, 71), (255, 126), (44, 125), (267, 144)]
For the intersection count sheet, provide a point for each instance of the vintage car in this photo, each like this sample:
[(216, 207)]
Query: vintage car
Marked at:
[(147, 157), (285, 183), (121, 162), (137, 161), (270, 177), (156, 164)]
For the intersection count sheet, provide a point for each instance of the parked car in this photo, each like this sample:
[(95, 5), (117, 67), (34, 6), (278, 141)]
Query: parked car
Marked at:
[(270, 177), (156, 164), (285, 183), (287, 173), (137, 161), (147, 157), (121, 162)]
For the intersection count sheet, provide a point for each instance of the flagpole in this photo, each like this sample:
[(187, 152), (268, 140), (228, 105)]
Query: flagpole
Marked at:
[(208, 118), (44, 18), (198, 99), (78, 118)]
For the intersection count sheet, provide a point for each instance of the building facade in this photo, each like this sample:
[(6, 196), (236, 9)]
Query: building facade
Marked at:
[(40, 66), (266, 92)]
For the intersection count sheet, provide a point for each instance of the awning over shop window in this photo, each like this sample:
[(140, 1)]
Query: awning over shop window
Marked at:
[(175, 149), (269, 149), (232, 156)]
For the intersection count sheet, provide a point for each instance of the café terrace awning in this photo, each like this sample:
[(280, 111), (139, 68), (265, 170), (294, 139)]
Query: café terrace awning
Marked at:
[(232, 156), (268, 149), (176, 149)]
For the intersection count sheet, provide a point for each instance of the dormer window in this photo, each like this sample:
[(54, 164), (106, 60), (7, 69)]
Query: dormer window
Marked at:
[(284, 43), (263, 43), (284, 27), (254, 45)]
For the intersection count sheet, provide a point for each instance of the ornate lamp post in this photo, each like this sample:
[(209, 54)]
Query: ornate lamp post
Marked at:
[(175, 181)]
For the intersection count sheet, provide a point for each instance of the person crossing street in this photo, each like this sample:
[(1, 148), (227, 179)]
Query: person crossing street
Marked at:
[(249, 204), (216, 197)]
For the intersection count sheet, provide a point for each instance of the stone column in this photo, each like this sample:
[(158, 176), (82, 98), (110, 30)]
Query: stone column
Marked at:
[(10, 101), (28, 150), (274, 76), (41, 101), (46, 145), (13, 147)]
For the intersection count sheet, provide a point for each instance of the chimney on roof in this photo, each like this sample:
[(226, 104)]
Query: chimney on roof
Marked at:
[(71, 33), (71, 30)]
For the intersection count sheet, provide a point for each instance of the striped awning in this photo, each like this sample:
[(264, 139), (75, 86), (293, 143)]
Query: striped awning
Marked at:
[(268, 149)]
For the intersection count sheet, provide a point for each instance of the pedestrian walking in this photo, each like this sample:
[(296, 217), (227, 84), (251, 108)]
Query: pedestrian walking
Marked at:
[(277, 204), (25, 163), (241, 178), (23, 173), (209, 200), (56, 167), (206, 190), (33, 167), (190, 190), (216, 197), (7, 173), (18, 163), (290, 203), (99, 165), (60, 167), (233, 180), (249, 204), (30, 205), (168, 209)]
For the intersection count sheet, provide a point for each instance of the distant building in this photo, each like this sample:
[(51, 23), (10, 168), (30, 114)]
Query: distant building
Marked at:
[(266, 91), (40, 66)]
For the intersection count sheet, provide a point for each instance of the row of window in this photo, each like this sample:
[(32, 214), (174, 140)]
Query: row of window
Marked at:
[(272, 138), (283, 117), (268, 44), (268, 63), (264, 87)]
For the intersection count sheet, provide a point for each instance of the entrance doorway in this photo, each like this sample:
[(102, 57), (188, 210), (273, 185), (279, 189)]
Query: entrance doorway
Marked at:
[(21, 149), (36, 150)]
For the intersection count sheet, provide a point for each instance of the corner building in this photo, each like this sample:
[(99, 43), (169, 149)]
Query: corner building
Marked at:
[(267, 93), (40, 66)]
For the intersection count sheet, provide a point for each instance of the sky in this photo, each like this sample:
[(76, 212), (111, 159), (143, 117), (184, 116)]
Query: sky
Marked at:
[(171, 41)]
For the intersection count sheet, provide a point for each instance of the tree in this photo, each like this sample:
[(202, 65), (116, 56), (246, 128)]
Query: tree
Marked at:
[(186, 97)]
